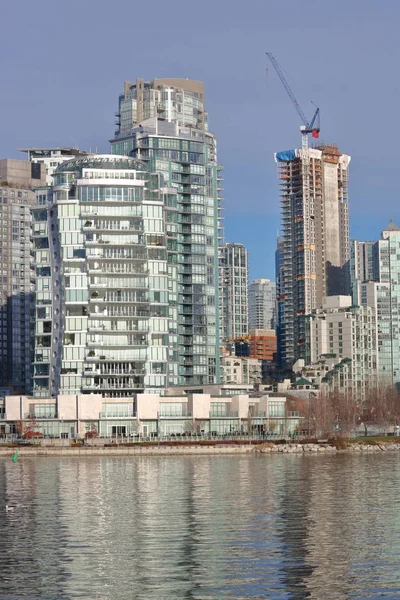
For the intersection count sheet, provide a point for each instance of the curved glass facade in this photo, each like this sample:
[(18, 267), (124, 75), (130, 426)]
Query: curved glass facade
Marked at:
[(102, 161)]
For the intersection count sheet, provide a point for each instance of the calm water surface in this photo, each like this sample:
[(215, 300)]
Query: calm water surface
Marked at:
[(201, 527)]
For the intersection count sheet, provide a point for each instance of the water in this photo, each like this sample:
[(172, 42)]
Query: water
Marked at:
[(200, 527)]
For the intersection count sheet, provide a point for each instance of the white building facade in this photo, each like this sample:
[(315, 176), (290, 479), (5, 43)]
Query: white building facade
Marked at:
[(106, 318), (241, 370), (342, 331)]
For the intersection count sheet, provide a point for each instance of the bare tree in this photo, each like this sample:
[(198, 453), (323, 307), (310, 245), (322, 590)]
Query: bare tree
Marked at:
[(194, 426)]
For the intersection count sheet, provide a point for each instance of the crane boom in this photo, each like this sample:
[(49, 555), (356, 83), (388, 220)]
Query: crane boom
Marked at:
[(288, 89), (308, 127)]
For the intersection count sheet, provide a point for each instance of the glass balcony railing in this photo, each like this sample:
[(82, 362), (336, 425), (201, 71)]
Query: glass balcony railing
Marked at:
[(174, 415), (223, 415)]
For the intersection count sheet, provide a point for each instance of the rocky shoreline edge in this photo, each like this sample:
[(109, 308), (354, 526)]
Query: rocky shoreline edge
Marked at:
[(325, 448), (339, 446)]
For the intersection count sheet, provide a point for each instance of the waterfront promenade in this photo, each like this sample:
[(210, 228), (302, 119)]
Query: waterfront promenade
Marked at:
[(187, 449)]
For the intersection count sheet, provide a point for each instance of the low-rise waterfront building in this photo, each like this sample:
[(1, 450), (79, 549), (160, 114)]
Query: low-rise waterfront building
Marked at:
[(71, 416)]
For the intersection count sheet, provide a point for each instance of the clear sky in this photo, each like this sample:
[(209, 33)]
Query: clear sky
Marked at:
[(64, 63)]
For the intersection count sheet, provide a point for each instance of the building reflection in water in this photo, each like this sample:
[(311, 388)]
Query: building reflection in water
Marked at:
[(286, 526)]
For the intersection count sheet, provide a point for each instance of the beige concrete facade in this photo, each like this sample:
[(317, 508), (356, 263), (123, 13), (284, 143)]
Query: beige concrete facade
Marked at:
[(148, 415), (240, 370), (22, 173)]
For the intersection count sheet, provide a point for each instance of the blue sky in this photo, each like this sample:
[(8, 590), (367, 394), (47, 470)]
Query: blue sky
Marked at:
[(64, 63)]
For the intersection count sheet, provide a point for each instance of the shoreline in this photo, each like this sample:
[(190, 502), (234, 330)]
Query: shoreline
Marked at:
[(267, 448)]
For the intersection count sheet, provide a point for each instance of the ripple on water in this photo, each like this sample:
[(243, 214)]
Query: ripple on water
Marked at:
[(200, 527)]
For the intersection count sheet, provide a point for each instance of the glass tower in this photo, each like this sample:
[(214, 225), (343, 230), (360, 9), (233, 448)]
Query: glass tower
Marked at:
[(164, 123)]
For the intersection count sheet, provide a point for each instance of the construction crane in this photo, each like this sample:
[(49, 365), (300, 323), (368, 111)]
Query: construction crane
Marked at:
[(308, 276), (307, 127)]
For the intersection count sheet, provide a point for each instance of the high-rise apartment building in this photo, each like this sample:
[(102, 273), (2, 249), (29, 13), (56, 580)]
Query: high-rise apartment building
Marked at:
[(233, 291), (164, 123), (315, 232), (17, 178), (106, 292), (342, 331), (262, 304), (383, 295)]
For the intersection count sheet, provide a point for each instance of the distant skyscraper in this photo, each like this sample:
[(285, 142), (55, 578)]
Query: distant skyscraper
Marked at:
[(315, 233), (234, 280), (363, 265), (262, 304), (17, 178), (163, 123)]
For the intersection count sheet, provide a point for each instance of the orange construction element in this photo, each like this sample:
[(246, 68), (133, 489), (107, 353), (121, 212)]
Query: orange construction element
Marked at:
[(263, 344)]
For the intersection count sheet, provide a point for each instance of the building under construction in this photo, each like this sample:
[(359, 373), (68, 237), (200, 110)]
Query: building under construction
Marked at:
[(315, 245)]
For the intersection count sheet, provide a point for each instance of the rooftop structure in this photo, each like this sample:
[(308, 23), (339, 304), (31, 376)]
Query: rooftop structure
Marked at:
[(51, 158)]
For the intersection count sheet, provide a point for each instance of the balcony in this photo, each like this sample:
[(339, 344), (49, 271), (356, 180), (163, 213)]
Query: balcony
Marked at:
[(118, 386), (107, 343), (92, 358), (91, 284)]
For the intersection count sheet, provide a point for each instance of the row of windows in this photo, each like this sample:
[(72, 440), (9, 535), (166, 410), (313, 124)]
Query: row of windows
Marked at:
[(110, 194)]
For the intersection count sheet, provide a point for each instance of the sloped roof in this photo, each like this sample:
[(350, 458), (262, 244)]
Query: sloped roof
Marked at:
[(392, 227), (303, 381)]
